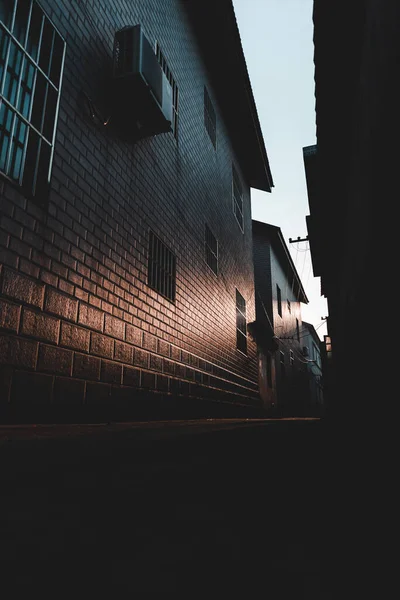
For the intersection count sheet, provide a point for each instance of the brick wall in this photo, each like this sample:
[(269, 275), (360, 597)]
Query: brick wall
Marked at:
[(78, 323)]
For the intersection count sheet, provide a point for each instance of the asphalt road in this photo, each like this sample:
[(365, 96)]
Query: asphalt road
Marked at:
[(206, 509)]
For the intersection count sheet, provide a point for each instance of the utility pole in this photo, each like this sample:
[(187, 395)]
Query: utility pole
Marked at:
[(298, 240)]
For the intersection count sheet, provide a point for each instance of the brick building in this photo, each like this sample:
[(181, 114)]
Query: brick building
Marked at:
[(126, 238), (278, 326), (311, 348)]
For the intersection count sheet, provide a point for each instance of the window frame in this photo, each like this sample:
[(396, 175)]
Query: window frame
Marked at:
[(240, 316), (210, 118), (237, 199), (279, 299), (158, 276), (36, 143), (208, 250), (175, 90), (269, 369), (282, 363)]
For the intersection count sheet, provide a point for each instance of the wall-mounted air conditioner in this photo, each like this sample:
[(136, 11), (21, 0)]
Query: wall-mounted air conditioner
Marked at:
[(143, 94)]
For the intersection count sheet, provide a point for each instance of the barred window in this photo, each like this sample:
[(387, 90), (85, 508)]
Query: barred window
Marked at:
[(31, 63), (211, 250), (175, 94), (269, 370), (279, 298), (282, 363), (237, 193), (241, 328), (161, 268), (210, 118)]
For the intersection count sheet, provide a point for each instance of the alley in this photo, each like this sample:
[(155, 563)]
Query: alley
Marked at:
[(204, 509)]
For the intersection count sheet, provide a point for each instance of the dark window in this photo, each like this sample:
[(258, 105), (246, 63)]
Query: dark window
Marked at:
[(297, 330), (210, 119), (31, 58), (241, 327), (161, 268), (317, 357), (269, 370), (211, 250), (282, 362), (291, 358), (279, 297), (175, 94), (289, 307), (237, 193)]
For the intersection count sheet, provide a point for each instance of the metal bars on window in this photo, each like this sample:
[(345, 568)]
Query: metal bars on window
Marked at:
[(237, 193), (210, 118), (161, 268), (175, 92), (282, 363), (211, 249), (31, 63), (241, 325), (279, 299)]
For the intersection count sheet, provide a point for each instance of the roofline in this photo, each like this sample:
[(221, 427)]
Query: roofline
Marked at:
[(312, 330), (247, 137), (253, 107), (279, 235)]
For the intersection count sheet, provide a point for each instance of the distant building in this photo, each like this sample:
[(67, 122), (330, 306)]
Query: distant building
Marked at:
[(278, 326), (129, 142), (311, 347)]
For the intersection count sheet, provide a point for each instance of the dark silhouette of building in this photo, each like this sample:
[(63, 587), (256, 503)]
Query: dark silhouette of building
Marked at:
[(352, 178), (129, 143), (278, 326)]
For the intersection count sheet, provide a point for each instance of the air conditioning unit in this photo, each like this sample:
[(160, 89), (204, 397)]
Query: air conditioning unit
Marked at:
[(142, 94)]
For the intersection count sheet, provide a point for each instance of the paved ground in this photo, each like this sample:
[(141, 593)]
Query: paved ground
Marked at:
[(192, 510)]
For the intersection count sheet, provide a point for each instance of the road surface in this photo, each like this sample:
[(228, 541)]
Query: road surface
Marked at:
[(184, 509)]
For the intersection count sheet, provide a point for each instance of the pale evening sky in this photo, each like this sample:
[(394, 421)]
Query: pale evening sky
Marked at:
[(277, 40)]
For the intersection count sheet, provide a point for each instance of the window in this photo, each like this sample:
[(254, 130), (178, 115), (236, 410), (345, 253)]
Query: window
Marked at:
[(241, 328), (289, 307), (161, 268), (211, 250), (282, 363), (317, 357), (237, 193), (168, 74), (31, 61), (291, 358), (269, 370), (279, 297), (297, 330), (210, 118)]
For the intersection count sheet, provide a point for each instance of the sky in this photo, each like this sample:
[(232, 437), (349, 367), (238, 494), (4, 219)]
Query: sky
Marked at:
[(277, 40)]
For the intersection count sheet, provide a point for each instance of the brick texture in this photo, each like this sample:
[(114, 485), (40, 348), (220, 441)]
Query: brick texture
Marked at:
[(78, 263), (9, 315), (55, 360), (40, 326), (74, 337)]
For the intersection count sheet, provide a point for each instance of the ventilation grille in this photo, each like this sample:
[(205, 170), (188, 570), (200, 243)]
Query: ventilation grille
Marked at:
[(161, 268)]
